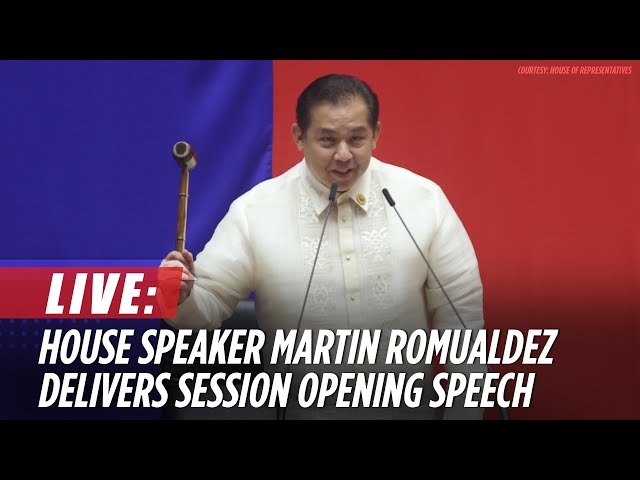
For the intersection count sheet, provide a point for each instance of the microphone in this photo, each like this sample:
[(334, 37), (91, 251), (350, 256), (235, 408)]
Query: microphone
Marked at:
[(332, 197), (503, 411)]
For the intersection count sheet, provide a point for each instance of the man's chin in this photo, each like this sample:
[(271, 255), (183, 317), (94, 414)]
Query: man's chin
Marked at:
[(343, 187), (343, 184)]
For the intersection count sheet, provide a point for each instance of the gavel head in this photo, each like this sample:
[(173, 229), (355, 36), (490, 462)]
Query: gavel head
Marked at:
[(185, 155)]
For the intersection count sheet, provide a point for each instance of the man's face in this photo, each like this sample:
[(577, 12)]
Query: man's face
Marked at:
[(338, 142)]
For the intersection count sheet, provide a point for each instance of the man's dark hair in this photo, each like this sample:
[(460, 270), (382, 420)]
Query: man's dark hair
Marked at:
[(335, 89)]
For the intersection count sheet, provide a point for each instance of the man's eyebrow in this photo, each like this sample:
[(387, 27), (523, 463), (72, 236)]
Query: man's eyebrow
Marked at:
[(329, 131)]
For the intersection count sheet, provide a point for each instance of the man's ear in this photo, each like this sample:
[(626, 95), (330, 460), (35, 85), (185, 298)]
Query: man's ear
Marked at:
[(298, 138), (376, 134)]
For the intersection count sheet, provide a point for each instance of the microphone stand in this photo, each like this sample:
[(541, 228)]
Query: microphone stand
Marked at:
[(281, 412), (504, 414)]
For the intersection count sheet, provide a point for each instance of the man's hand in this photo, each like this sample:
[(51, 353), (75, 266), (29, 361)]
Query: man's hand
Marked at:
[(184, 260)]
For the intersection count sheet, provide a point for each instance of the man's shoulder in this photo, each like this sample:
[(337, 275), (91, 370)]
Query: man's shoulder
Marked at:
[(395, 177), (271, 189)]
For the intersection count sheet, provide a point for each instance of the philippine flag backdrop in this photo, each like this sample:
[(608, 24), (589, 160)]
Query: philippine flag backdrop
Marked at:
[(542, 169)]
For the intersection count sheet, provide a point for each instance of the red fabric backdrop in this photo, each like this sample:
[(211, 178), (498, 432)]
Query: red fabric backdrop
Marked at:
[(542, 169)]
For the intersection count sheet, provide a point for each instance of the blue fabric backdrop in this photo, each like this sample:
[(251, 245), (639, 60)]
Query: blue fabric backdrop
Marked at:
[(88, 178)]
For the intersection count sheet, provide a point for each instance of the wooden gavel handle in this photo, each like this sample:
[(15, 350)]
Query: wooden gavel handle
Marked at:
[(181, 231)]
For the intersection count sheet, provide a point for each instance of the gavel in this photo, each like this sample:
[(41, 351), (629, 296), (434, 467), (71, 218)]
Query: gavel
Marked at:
[(187, 159)]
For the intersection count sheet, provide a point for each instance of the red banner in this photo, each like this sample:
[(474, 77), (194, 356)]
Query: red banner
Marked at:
[(89, 292)]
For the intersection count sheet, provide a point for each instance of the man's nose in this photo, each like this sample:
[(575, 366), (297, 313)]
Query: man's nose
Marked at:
[(343, 153)]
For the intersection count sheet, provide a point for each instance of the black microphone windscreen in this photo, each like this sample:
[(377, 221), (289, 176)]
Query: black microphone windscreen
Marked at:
[(332, 192), (387, 195)]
